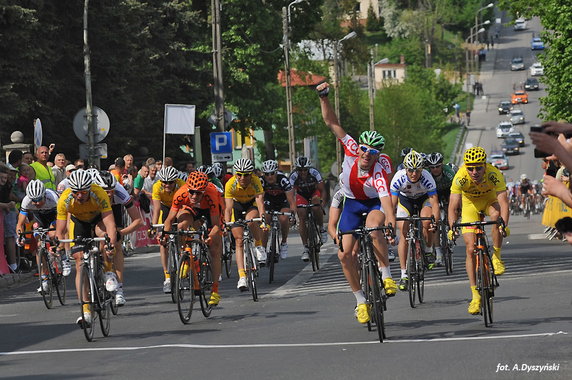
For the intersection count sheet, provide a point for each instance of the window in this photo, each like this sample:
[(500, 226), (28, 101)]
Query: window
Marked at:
[(389, 74)]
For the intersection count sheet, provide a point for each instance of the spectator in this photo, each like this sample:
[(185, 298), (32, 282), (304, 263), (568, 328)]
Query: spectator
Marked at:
[(43, 172), (9, 213), (119, 169), (15, 158), (168, 162), (128, 158), (150, 181), (190, 167), (564, 227), (159, 164), (149, 162), (79, 163), (140, 180), (27, 158), (27, 174), (69, 169), (59, 168)]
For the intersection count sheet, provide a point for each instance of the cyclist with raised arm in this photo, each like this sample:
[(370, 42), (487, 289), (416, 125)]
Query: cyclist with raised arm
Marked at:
[(39, 207), (413, 188), (244, 195), (278, 196), (120, 201), (88, 206), (199, 199), (163, 192), (479, 188), (309, 186), (366, 191), (443, 176)]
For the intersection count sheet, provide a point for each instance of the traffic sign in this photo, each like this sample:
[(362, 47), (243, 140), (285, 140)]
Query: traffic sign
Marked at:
[(221, 142), (101, 125), (221, 157), (38, 136), (100, 151)]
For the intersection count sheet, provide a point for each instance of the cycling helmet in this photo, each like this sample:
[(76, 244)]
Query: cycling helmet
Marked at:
[(168, 174), (197, 181), (207, 169), (269, 166), (434, 158), (80, 180), (523, 177), (475, 155), (182, 175), (413, 160), (93, 172), (405, 151), (217, 169), (373, 139), (243, 165), (105, 179), (303, 162), (35, 189)]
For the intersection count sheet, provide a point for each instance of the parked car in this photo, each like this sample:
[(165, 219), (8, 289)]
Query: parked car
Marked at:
[(519, 96), (504, 128), (499, 160), (518, 136), (510, 146), (536, 69), (516, 116), (519, 24), (504, 107), (531, 84), (516, 64), (536, 44)]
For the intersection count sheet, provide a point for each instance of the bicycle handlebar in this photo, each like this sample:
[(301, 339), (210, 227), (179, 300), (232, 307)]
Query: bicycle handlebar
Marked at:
[(84, 240), (499, 221), (309, 205), (388, 231), (161, 225), (415, 218), (242, 223), (279, 213), (36, 230)]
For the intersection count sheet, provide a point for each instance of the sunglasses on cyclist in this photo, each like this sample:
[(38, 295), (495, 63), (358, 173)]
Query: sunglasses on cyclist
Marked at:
[(475, 168), (239, 174), (37, 200), (196, 192), (269, 174), (434, 166), (168, 182), (414, 170), (371, 151), (80, 192)]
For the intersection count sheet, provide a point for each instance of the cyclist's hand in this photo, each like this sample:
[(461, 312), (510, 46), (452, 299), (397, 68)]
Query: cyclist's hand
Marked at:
[(162, 239), (323, 90), (505, 231), (264, 226), (292, 220), (20, 242), (432, 227), (151, 232), (452, 234)]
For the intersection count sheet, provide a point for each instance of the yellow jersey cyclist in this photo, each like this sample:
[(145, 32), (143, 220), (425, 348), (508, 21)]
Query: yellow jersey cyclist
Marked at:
[(365, 189), (162, 197), (120, 201), (88, 206), (479, 188), (413, 188), (244, 195)]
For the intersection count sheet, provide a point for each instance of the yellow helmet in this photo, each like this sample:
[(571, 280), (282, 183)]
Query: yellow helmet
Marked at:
[(413, 160), (475, 155)]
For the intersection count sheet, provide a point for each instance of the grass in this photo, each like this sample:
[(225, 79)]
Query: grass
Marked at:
[(449, 139)]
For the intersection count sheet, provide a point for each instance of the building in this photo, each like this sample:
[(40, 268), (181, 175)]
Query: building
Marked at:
[(386, 73)]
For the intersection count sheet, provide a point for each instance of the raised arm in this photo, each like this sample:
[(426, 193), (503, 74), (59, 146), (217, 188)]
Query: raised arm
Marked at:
[(328, 113)]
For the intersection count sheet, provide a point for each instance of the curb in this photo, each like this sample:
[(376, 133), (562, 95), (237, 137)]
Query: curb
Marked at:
[(13, 280)]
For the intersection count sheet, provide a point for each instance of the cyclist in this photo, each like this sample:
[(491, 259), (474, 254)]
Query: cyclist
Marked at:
[(40, 207), (479, 188), (443, 176), (526, 189), (197, 199), (309, 187), (120, 201), (366, 191), (89, 208), (244, 195), (213, 178), (403, 153), (278, 196), (413, 187), (163, 191)]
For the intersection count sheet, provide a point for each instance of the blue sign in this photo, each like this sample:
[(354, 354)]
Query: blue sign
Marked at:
[(221, 142)]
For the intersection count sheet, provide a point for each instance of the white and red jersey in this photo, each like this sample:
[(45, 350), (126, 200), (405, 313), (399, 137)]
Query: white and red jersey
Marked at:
[(371, 185)]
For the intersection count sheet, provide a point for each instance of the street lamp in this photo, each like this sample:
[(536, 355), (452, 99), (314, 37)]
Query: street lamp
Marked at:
[(490, 5), (337, 94), (290, 118), (469, 38)]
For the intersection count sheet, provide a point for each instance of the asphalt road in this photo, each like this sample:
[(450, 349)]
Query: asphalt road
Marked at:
[(303, 326)]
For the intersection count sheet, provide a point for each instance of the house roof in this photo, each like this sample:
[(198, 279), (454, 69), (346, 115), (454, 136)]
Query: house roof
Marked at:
[(300, 78)]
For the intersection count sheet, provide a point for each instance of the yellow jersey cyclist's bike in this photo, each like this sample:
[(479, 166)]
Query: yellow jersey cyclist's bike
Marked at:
[(273, 253), (173, 256), (314, 236), (50, 267), (486, 279), (370, 277), (92, 282), (445, 244), (416, 259)]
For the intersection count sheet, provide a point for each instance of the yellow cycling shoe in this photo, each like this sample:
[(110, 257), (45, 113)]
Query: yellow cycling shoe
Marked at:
[(362, 313), (498, 264), (215, 299), (475, 306), (390, 286)]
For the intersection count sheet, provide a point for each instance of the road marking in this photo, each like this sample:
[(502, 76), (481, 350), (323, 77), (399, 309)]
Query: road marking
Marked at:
[(279, 345), (537, 237)]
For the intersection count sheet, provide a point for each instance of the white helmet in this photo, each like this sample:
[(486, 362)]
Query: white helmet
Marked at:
[(269, 166), (523, 177), (105, 179), (168, 174), (243, 165), (93, 172), (217, 169), (80, 180), (35, 190)]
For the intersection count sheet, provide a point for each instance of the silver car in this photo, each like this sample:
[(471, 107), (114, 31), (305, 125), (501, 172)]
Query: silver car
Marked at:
[(516, 64), (516, 117)]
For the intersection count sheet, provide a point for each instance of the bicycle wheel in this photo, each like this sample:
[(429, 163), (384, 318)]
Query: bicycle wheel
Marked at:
[(44, 270), (114, 306), (58, 279), (103, 300), (87, 288), (313, 244), (205, 281), (481, 286), (411, 274), (251, 269), (184, 293), (365, 284), (227, 250), (172, 265), (376, 300), (489, 289), (420, 273)]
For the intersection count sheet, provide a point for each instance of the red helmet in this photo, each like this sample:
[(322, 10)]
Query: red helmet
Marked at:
[(197, 181)]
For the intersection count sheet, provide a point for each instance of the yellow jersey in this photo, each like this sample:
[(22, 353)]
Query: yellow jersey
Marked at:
[(492, 183), (160, 194), (97, 204), (233, 190)]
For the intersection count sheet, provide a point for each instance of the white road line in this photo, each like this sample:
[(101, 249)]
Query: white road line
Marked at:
[(279, 345)]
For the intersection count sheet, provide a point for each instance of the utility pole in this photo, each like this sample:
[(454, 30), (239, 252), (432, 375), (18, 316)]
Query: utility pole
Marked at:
[(92, 158), (287, 73), (217, 65), (371, 90)]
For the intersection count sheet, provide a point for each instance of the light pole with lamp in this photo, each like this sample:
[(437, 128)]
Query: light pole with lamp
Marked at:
[(337, 94), (475, 40), (490, 5), (289, 116), (468, 48)]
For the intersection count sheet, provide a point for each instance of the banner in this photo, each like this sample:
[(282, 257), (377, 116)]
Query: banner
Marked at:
[(179, 119)]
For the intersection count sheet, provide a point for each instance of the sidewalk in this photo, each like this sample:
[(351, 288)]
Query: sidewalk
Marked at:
[(13, 280)]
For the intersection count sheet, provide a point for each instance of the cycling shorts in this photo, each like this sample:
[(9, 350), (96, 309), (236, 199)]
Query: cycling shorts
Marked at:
[(198, 213), (406, 206), (471, 210), (276, 205), (44, 219), (239, 210), (302, 200), (351, 217), (118, 215), (83, 229)]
